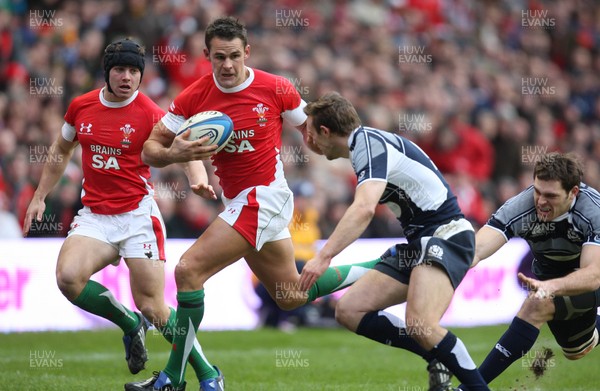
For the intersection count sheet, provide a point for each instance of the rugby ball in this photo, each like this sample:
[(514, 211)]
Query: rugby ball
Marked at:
[(214, 124)]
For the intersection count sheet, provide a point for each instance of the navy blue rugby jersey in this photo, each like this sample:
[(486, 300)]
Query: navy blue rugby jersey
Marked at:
[(556, 245), (416, 192)]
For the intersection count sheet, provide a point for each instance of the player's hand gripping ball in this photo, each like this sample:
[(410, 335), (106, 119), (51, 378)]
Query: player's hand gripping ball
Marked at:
[(214, 124)]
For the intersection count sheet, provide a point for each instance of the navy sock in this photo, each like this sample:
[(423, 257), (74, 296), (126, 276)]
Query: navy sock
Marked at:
[(453, 354), (514, 344), (390, 330)]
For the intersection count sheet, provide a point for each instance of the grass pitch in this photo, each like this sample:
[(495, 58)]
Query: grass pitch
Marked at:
[(270, 360)]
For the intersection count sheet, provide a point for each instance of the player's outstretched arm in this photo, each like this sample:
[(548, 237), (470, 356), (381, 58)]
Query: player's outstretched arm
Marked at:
[(585, 279), (198, 179), (487, 242), (58, 157), (163, 148), (351, 226)]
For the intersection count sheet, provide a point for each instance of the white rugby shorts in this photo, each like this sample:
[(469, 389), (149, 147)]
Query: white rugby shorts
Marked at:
[(260, 214), (139, 233)]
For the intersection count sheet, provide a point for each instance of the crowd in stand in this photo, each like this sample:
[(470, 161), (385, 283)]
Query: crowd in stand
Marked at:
[(485, 88)]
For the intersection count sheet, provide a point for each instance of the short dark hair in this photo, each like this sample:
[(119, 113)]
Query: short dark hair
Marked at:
[(227, 28), (563, 167), (334, 112)]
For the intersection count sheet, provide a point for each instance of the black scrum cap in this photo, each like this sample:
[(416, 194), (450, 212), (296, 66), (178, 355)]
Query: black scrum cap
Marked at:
[(123, 52)]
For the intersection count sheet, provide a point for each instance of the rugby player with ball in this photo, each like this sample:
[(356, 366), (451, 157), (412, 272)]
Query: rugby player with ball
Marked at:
[(258, 202)]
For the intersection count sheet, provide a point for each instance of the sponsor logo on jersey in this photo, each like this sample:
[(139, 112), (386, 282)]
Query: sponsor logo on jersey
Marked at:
[(127, 131), (261, 111), (85, 129), (239, 141), (100, 158)]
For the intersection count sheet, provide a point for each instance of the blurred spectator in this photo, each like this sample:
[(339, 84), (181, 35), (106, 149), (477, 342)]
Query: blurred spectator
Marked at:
[(184, 66), (185, 214), (383, 225), (470, 198), (8, 145), (507, 143), (463, 150), (305, 232), (510, 88), (304, 227), (9, 226), (19, 189)]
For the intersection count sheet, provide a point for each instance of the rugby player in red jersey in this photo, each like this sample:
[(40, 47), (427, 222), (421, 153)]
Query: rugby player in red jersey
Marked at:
[(119, 217), (258, 202)]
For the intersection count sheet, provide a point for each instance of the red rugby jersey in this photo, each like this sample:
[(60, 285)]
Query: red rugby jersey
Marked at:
[(112, 135), (257, 108)]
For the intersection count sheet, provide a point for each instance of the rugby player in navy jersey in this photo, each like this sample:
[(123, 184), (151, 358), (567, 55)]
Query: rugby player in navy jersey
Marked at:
[(559, 217), (424, 272)]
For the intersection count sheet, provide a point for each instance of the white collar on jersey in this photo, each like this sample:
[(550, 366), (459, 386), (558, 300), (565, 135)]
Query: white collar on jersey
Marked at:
[(116, 105), (239, 88), (566, 214)]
